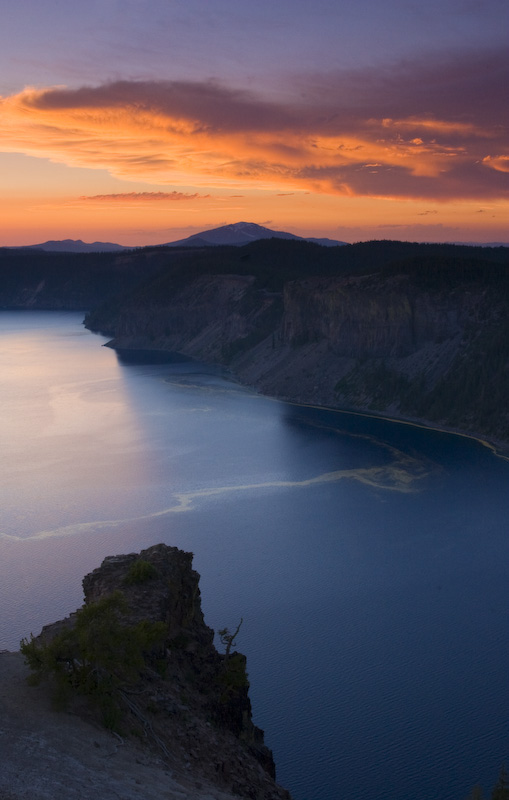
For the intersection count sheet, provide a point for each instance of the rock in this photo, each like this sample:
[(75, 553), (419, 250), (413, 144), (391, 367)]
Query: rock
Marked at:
[(193, 710)]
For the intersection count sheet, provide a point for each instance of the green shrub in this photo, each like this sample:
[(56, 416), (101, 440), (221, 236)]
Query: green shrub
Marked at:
[(140, 572), (98, 657), (235, 675)]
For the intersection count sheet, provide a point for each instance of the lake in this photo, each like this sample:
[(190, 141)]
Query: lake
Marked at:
[(368, 559)]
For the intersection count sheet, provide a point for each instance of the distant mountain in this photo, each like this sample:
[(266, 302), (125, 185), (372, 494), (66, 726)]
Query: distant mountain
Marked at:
[(240, 233), (75, 246)]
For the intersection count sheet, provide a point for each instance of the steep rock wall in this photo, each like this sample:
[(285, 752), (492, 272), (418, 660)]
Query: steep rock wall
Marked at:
[(365, 318), (210, 318), (382, 343), (388, 345)]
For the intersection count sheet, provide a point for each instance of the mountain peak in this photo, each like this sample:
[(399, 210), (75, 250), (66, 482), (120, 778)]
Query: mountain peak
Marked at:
[(240, 233)]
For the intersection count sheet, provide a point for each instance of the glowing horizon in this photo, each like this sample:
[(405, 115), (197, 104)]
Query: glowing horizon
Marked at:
[(410, 147)]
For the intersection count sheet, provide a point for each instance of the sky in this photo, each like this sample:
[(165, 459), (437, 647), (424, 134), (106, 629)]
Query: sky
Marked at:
[(144, 121)]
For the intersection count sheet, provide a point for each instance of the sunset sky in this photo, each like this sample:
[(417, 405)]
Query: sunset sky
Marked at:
[(143, 121)]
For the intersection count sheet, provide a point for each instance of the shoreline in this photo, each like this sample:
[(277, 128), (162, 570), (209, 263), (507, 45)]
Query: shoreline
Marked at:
[(498, 447)]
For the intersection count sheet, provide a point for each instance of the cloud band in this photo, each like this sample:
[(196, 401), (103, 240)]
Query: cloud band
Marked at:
[(411, 131)]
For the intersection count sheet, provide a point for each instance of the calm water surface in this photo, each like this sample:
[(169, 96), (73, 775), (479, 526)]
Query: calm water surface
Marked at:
[(368, 559)]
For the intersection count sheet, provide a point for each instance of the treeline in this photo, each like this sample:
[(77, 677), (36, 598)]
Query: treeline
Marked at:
[(275, 262), (499, 792), (444, 272), (87, 279), (74, 281)]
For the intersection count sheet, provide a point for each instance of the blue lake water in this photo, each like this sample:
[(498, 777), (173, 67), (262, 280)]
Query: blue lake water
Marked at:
[(369, 559)]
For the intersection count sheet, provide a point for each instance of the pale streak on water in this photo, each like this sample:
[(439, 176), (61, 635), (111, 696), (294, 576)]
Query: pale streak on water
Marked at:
[(369, 560), (391, 478)]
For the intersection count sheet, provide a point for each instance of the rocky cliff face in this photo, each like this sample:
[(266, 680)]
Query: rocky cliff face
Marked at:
[(211, 318), (194, 707), (366, 318), (412, 345), (389, 344)]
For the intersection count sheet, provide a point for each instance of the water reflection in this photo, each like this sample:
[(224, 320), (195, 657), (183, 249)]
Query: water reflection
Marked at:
[(150, 357)]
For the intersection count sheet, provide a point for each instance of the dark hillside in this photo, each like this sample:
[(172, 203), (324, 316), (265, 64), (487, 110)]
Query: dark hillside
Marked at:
[(38, 279), (73, 281)]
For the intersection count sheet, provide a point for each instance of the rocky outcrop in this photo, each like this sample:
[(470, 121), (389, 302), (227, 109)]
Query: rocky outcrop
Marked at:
[(47, 755), (191, 700)]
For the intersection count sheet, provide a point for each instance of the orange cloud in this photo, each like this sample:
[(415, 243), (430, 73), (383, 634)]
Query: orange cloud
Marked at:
[(500, 163), (144, 197), (438, 126), (208, 135)]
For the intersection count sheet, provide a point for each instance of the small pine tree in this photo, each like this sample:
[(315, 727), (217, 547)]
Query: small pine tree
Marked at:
[(501, 788), (228, 639)]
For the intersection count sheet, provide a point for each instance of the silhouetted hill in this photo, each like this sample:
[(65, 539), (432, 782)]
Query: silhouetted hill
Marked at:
[(75, 246), (240, 233)]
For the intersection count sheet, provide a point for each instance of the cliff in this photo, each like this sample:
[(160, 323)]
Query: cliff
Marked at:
[(424, 338), (186, 704), (212, 318), (404, 344)]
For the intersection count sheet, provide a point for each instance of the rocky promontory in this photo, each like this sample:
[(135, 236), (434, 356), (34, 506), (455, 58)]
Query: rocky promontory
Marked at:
[(139, 658)]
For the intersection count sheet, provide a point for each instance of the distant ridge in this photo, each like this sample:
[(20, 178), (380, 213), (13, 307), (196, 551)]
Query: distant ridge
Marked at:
[(483, 244), (237, 234), (74, 246), (240, 233)]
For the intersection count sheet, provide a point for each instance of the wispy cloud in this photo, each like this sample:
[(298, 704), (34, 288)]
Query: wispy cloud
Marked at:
[(143, 197), (418, 130)]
